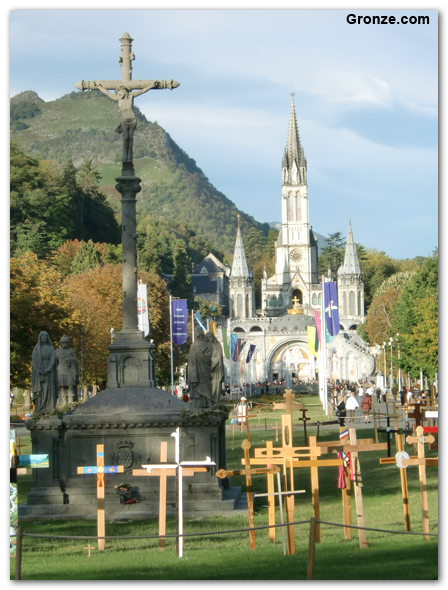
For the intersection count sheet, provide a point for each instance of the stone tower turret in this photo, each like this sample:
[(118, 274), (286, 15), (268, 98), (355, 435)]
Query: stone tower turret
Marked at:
[(241, 284), (350, 285)]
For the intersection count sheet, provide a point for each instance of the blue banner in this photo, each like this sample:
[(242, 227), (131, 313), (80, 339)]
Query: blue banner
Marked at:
[(179, 321), (331, 308), (250, 353)]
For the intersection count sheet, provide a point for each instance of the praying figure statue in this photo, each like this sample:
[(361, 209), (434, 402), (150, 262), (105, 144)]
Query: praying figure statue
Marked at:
[(68, 379), (200, 370), (125, 99), (44, 375), (217, 368)]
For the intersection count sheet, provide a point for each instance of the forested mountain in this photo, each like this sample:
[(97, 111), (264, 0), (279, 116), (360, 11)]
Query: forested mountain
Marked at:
[(81, 125)]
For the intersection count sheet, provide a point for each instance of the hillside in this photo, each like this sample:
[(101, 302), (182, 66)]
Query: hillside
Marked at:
[(82, 125)]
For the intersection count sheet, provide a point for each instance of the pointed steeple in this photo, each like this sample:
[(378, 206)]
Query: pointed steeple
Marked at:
[(351, 262), (239, 266), (294, 161)]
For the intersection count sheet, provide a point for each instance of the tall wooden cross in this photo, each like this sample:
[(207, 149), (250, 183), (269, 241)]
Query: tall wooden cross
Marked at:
[(422, 462), (99, 470), (345, 446), (181, 469), (164, 473), (248, 472), (126, 90), (403, 479), (291, 458)]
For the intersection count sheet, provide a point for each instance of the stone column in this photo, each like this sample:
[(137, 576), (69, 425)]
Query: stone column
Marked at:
[(128, 187)]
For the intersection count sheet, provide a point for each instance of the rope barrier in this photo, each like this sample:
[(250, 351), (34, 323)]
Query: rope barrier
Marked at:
[(352, 526), (268, 526), (87, 537)]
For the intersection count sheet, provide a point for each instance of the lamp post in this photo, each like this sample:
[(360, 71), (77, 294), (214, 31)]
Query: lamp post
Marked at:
[(385, 365), (399, 367), (391, 365)]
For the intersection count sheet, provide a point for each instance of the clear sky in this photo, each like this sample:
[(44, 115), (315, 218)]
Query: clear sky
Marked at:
[(366, 99)]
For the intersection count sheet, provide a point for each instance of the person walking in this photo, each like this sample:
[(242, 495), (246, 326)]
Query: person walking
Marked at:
[(366, 404), (403, 395), (360, 393), (341, 412), (351, 406)]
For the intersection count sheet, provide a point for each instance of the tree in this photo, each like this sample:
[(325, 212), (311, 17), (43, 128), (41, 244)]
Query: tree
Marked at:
[(38, 301), (376, 267), (49, 208), (415, 319), (180, 285), (378, 325), (332, 255), (96, 295), (255, 243)]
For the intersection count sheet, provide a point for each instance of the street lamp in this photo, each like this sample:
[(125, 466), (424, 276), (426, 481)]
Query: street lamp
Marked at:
[(391, 365), (385, 370), (399, 367)]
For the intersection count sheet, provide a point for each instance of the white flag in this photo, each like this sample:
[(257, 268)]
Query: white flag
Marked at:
[(142, 309)]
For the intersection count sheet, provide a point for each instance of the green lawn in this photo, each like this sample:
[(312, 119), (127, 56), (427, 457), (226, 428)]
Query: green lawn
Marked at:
[(227, 556)]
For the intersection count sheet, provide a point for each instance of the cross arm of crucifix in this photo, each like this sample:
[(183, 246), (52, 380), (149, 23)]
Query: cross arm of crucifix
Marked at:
[(140, 86)]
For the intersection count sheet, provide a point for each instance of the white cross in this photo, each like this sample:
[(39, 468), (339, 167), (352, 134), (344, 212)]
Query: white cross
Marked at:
[(330, 307), (179, 465)]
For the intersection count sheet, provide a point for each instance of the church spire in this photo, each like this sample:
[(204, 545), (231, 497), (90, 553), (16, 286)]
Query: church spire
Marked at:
[(351, 262), (239, 266), (294, 161)]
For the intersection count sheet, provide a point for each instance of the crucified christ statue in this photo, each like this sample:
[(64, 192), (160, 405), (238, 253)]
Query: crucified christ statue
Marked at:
[(126, 90), (125, 99)]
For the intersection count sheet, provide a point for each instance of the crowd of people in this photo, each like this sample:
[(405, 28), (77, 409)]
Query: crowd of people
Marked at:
[(347, 397)]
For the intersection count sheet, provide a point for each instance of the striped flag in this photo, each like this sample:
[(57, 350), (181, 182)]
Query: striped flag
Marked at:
[(237, 351), (225, 343), (313, 342)]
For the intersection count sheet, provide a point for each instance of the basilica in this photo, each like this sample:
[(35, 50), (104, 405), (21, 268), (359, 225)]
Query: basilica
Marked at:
[(274, 340)]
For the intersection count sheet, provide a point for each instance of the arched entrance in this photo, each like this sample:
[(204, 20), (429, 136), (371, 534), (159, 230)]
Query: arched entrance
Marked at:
[(291, 359)]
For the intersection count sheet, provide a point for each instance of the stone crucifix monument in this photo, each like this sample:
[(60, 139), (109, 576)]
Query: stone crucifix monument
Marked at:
[(137, 367), (132, 417)]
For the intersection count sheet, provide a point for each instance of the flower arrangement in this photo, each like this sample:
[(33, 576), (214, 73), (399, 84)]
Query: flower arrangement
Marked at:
[(124, 492)]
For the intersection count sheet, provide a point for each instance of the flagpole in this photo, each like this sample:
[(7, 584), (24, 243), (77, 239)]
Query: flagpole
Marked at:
[(324, 351), (171, 348)]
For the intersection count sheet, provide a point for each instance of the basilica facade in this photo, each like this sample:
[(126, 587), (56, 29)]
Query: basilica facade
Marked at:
[(278, 331)]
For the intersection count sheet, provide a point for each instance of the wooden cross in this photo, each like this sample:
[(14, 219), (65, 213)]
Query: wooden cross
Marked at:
[(99, 470), (279, 493), (276, 430), (164, 473), (305, 419), (180, 468), (389, 431), (248, 472), (291, 458), (399, 438), (89, 547), (422, 462), (345, 446), (289, 403)]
